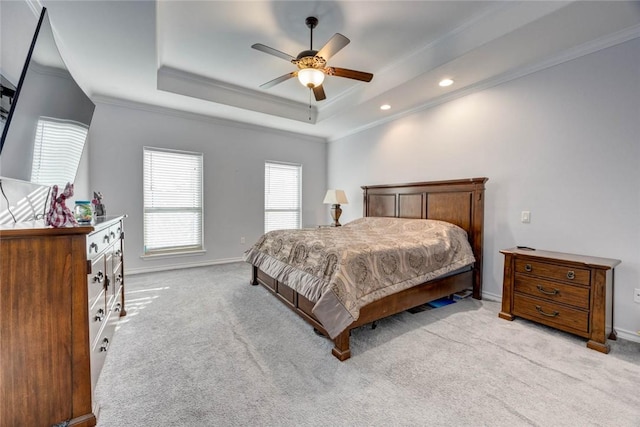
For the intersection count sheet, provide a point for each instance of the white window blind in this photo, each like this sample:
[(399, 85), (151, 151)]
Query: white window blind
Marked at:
[(282, 194), (172, 201), (57, 150)]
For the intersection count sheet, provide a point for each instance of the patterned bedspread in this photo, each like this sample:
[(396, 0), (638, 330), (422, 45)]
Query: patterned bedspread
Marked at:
[(341, 269)]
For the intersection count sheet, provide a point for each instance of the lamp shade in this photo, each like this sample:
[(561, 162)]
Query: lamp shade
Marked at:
[(335, 197), (310, 77)]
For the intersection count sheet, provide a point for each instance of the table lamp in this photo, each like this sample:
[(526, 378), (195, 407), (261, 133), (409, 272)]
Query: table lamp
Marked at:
[(335, 198)]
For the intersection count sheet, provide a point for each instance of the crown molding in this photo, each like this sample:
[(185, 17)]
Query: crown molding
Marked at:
[(134, 105), (568, 55), (184, 83)]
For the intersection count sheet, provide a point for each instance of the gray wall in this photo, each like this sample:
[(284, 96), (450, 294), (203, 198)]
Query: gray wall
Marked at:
[(234, 157), (562, 143)]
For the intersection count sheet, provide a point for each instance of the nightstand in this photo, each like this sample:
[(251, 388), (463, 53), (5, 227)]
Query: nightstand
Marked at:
[(573, 293)]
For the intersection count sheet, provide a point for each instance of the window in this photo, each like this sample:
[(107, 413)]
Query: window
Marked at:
[(282, 190), (172, 201), (57, 150)]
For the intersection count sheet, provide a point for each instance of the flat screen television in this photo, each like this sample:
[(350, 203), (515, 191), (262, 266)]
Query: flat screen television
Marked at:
[(46, 126)]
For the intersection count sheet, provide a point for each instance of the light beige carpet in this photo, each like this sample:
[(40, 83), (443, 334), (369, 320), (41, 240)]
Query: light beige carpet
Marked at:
[(195, 350)]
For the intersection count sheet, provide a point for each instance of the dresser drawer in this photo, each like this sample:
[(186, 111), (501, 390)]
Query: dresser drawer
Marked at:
[(115, 231), (95, 245), (100, 347), (579, 276), (576, 296), (118, 280), (116, 308), (117, 259), (97, 242), (97, 318), (551, 314), (96, 279)]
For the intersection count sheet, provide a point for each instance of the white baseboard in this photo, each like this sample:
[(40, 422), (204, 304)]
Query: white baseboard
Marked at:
[(491, 297), (628, 335), (142, 270)]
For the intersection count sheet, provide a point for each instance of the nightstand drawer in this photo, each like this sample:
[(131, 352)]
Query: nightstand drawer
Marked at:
[(576, 296), (551, 314), (553, 271)]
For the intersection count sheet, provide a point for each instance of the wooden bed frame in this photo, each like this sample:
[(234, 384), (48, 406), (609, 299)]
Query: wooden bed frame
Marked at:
[(460, 202)]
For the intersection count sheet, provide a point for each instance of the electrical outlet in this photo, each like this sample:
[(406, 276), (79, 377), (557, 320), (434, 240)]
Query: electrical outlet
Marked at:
[(525, 217), (636, 295), (242, 241)]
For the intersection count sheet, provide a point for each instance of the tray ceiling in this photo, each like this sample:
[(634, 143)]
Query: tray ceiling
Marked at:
[(196, 56)]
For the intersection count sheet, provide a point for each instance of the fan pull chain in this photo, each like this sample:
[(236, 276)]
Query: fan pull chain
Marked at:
[(310, 90)]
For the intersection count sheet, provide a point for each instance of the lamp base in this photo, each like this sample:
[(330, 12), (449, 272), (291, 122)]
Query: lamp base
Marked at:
[(335, 214)]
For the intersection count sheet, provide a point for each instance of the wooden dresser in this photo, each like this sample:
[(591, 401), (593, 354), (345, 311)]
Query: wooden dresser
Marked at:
[(61, 290), (573, 293)]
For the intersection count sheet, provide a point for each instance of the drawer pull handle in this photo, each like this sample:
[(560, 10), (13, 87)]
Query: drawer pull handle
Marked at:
[(105, 239), (571, 274), (554, 314), (113, 235), (542, 290), (117, 307), (119, 278), (105, 345), (99, 277), (99, 315), (527, 267), (93, 245)]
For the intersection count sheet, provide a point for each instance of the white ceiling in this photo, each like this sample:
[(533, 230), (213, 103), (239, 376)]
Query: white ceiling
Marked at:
[(196, 56)]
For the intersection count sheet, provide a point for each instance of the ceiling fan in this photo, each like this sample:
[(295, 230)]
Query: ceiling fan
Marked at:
[(312, 64)]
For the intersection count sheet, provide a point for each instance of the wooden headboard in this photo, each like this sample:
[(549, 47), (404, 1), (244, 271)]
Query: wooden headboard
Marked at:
[(460, 202)]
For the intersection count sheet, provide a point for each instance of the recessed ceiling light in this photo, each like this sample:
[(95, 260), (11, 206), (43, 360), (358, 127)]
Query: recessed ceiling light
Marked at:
[(385, 107), (445, 82)]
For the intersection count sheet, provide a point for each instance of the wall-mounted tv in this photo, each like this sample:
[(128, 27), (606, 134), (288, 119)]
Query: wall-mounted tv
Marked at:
[(48, 119)]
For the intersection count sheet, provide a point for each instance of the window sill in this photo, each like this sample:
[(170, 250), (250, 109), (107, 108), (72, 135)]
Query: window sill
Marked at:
[(150, 257)]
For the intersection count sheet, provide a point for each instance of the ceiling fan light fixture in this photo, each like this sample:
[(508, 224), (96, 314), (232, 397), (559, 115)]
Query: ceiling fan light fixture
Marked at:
[(310, 77), (312, 64)]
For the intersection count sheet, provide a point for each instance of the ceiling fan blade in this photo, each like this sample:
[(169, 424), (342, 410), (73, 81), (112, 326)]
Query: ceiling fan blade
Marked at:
[(278, 80), (318, 92), (349, 74), (333, 46), (272, 51)]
